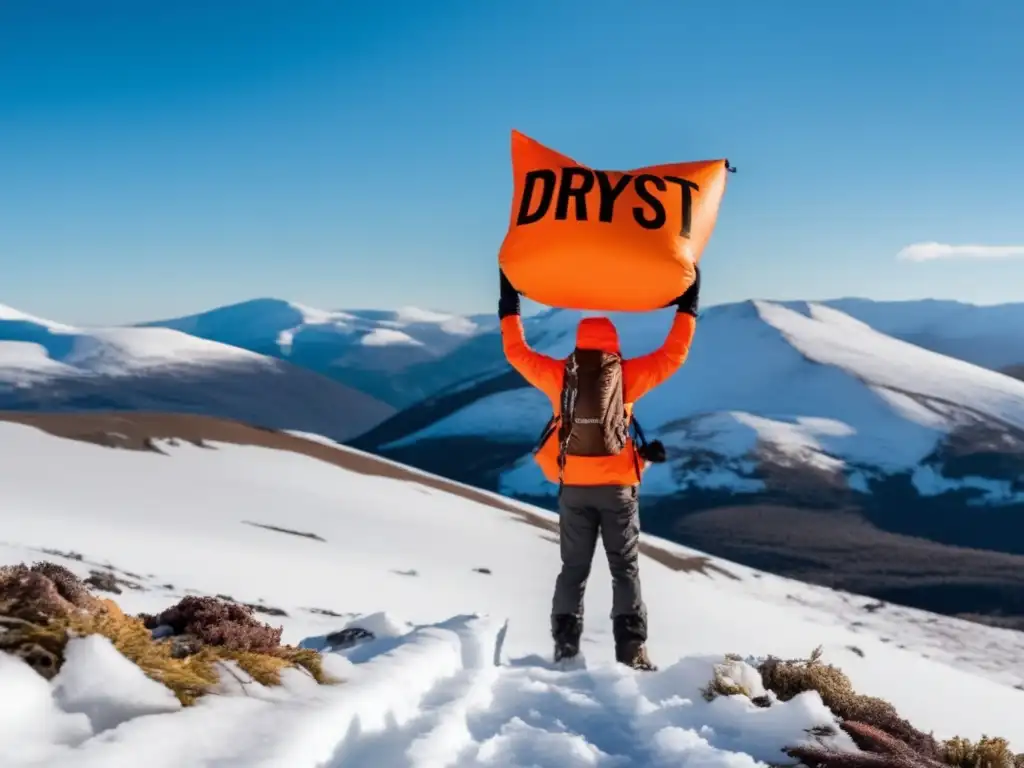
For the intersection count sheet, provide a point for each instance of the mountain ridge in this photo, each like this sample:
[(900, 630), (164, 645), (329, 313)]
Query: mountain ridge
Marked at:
[(51, 366), (367, 349), (794, 407), (403, 355)]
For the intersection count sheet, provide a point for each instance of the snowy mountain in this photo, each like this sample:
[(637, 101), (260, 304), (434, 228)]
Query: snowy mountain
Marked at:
[(815, 386), (799, 408), (50, 366), (989, 336), (454, 586), (401, 356), (375, 351)]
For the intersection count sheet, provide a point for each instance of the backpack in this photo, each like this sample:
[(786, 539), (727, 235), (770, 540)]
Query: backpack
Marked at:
[(593, 419)]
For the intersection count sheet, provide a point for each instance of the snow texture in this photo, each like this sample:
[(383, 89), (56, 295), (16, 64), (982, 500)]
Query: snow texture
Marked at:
[(456, 594), (100, 683)]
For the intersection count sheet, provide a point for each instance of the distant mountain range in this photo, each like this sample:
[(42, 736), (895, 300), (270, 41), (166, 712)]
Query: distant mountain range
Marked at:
[(387, 354), (48, 366), (874, 446), (401, 356), (800, 440), (989, 336), (768, 389)]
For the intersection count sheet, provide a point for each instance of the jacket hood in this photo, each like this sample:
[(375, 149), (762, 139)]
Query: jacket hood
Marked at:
[(597, 333)]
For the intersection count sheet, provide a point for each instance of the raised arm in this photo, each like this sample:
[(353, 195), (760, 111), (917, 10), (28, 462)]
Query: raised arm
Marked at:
[(644, 373), (543, 372)]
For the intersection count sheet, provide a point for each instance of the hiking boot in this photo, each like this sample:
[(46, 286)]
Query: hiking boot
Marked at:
[(565, 631), (630, 633), (634, 654)]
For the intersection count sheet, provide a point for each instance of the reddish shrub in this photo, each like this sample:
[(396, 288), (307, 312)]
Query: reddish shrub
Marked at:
[(43, 592), (216, 622), (69, 586), (879, 750)]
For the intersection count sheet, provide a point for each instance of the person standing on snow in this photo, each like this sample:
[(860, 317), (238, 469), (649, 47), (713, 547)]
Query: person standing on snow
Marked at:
[(594, 460)]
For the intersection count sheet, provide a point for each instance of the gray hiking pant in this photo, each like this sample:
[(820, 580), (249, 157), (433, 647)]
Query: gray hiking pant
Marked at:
[(614, 513)]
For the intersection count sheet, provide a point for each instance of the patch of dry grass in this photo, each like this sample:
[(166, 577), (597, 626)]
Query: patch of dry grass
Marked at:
[(791, 678), (885, 739), (43, 607), (987, 752)]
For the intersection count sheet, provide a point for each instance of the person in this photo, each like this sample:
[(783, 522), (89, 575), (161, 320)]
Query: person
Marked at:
[(597, 465)]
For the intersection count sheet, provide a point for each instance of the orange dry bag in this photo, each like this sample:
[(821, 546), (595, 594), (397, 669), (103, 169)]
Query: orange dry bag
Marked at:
[(609, 241)]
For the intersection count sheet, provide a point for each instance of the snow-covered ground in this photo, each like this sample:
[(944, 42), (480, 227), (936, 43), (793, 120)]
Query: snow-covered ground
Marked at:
[(458, 592)]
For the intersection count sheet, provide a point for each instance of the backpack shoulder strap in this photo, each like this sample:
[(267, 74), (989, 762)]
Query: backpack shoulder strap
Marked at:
[(549, 429), (640, 437)]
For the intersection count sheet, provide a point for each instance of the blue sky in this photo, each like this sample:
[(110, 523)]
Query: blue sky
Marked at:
[(161, 158)]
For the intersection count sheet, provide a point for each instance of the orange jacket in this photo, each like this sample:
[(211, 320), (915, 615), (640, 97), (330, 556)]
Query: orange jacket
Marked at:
[(639, 376)]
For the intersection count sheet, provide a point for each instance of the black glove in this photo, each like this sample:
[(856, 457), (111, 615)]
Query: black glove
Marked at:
[(690, 299), (508, 303)]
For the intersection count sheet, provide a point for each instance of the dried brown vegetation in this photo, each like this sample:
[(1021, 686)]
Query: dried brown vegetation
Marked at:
[(43, 606), (883, 750), (791, 678), (885, 739), (214, 621)]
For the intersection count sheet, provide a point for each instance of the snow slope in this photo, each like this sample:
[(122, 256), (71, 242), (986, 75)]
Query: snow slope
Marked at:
[(109, 351), (990, 336), (802, 385), (366, 349), (457, 676), (49, 365), (259, 322)]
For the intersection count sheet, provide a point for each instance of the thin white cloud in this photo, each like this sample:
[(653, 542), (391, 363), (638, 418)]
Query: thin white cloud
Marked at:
[(937, 251)]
